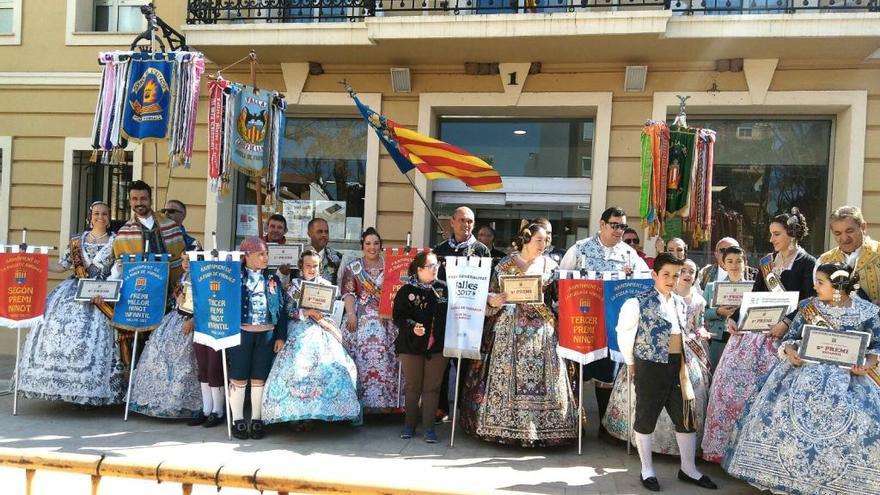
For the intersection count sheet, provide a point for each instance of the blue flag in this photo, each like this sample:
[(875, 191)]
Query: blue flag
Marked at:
[(381, 125), (616, 292), (216, 290), (144, 292), (250, 136), (148, 100)]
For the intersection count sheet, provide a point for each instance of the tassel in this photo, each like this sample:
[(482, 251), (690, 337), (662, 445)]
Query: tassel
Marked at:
[(94, 157), (688, 398)]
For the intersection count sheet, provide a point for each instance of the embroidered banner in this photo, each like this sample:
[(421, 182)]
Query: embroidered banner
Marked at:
[(216, 289), (23, 276), (250, 136), (148, 101), (144, 293), (468, 283), (582, 335), (396, 265), (616, 292)]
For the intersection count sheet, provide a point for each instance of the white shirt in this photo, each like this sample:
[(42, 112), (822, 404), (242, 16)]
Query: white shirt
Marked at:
[(628, 323), (852, 258), (148, 222), (721, 275)]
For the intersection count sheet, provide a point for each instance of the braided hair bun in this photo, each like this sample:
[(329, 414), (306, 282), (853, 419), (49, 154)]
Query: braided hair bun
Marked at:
[(795, 223)]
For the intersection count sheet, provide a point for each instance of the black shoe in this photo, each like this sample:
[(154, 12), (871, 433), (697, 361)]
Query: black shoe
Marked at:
[(704, 482), (651, 483), (610, 439), (213, 420), (240, 429), (257, 431), (197, 419)]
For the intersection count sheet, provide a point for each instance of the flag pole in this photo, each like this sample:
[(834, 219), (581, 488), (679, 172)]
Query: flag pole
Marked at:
[(425, 202)]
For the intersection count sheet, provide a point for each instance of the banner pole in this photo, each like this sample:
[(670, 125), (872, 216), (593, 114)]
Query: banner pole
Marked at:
[(228, 407), (580, 405), (425, 202), (455, 401), (399, 376), (134, 346), (15, 373), (629, 401)]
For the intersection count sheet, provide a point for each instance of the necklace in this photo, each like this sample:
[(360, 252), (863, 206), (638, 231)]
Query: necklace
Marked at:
[(94, 238)]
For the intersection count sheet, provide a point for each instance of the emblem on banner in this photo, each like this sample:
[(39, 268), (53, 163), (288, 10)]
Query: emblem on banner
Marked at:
[(584, 305), (215, 285), (20, 277), (140, 283), (252, 126), (148, 92)]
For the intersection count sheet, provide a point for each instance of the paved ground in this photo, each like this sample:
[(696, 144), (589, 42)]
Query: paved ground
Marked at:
[(372, 451)]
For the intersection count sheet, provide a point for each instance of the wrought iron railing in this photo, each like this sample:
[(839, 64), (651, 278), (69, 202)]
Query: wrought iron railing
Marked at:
[(301, 11)]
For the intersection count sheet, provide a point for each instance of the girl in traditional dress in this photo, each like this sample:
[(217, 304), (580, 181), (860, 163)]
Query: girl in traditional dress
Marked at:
[(313, 378), (663, 439), (166, 383), (420, 314), (72, 355), (749, 356), (528, 399), (733, 260), (370, 340), (815, 428)]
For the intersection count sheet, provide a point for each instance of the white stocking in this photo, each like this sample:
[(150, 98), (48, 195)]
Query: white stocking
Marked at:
[(687, 447), (219, 401), (643, 442), (236, 401), (207, 400), (256, 402)]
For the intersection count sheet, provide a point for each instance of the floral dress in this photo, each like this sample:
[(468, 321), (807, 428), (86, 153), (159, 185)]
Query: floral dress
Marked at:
[(813, 429), (313, 377), (663, 439), (380, 383), (166, 382), (72, 355), (524, 396)]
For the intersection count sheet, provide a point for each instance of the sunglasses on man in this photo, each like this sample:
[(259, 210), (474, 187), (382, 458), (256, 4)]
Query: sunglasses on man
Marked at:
[(166, 211), (617, 226)]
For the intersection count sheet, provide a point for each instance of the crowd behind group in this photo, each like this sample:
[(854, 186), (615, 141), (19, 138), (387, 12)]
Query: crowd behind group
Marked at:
[(743, 399)]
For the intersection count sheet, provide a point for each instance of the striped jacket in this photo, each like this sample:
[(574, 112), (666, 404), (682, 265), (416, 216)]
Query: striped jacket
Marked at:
[(130, 240)]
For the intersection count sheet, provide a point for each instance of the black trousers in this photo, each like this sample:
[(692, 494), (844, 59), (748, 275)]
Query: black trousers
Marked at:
[(657, 386)]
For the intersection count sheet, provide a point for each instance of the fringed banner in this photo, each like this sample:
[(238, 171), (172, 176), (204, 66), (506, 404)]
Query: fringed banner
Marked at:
[(23, 276)]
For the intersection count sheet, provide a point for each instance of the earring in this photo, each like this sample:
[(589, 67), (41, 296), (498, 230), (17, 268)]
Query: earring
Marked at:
[(835, 298)]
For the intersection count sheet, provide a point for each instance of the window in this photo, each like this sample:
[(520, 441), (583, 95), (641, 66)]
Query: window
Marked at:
[(7, 14), (122, 16), (762, 169), (5, 179), (324, 163), (100, 182)]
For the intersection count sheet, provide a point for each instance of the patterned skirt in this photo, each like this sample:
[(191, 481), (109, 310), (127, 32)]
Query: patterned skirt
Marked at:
[(72, 355), (166, 383), (313, 378), (811, 430), (379, 378)]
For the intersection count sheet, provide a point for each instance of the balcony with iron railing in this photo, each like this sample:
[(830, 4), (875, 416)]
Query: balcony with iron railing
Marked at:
[(301, 11)]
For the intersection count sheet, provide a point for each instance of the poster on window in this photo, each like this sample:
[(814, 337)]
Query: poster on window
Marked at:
[(334, 213), (246, 221), (298, 213), (582, 335), (467, 279), (144, 293), (23, 276)]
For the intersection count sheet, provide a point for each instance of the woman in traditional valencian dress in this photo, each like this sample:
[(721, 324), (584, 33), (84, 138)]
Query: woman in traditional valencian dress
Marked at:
[(166, 382), (663, 439), (370, 340), (749, 356), (313, 378), (72, 354), (815, 428), (528, 399)]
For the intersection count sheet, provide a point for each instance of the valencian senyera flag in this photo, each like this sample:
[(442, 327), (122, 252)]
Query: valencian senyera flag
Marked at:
[(433, 158)]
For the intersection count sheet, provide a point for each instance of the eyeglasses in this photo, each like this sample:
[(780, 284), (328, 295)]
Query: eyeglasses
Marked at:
[(170, 210), (617, 226), (631, 241)]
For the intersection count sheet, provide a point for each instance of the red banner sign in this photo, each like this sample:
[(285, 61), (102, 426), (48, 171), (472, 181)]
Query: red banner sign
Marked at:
[(23, 278), (397, 262), (582, 335)]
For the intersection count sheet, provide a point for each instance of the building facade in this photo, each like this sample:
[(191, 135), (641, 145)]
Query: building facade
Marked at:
[(553, 95)]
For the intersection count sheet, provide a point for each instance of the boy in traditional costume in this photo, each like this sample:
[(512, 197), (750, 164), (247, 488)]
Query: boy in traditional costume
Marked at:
[(649, 332)]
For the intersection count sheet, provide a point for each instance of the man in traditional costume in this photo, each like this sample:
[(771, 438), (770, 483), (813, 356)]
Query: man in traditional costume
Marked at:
[(176, 210), (649, 333), (855, 250), (146, 231), (604, 251)]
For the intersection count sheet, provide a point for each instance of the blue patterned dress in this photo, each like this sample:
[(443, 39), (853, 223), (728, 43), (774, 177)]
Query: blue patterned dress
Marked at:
[(813, 429), (313, 377)]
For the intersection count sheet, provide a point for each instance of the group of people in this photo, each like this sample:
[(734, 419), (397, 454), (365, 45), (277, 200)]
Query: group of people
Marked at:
[(745, 399)]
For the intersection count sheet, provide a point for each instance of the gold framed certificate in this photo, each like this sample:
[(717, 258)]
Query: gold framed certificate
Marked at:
[(730, 293), (89, 288), (523, 289), (823, 345), (317, 296), (284, 254), (187, 306), (762, 318)]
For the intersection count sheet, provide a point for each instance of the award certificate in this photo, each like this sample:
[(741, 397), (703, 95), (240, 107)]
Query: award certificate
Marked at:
[(844, 349), (761, 318), (523, 289), (730, 293), (284, 254), (89, 288), (318, 297), (187, 306)]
